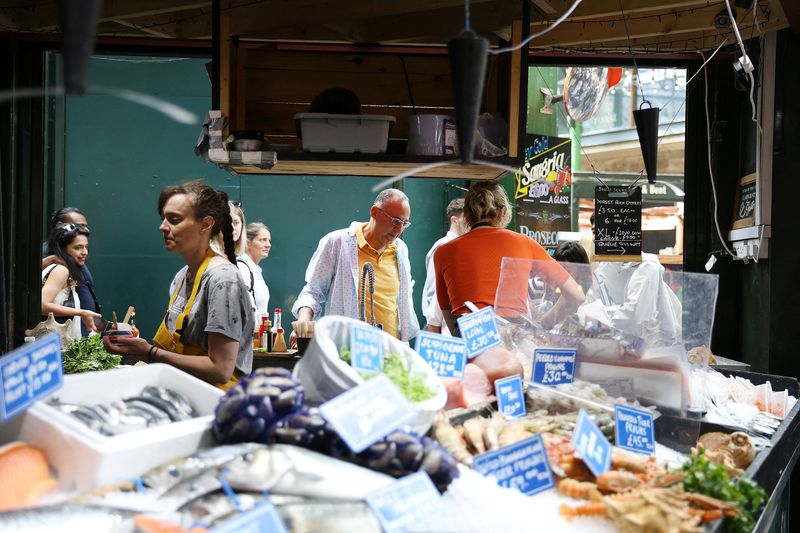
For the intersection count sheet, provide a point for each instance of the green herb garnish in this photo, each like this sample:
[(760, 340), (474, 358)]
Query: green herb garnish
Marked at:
[(711, 479), (87, 354), (412, 386)]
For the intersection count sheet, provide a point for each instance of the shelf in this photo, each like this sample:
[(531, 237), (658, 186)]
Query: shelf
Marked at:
[(371, 165)]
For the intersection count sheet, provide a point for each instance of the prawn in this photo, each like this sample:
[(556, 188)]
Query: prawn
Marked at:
[(587, 509), (579, 489)]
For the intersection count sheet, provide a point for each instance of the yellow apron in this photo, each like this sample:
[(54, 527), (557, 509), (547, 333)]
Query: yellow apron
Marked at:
[(172, 342)]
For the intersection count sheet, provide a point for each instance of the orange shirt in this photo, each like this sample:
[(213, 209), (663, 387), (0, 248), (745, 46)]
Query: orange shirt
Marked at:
[(468, 269)]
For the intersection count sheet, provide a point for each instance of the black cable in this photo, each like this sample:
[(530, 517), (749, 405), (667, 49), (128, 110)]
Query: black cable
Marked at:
[(408, 84)]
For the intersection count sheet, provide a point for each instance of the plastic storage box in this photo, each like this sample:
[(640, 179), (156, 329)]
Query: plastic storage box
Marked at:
[(84, 459), (323, 132)]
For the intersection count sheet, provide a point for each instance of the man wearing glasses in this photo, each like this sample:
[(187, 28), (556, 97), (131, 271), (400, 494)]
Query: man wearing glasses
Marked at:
[(335, 267)]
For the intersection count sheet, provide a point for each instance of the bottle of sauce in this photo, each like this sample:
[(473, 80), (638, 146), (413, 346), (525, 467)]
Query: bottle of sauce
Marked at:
[(259, 335), (134, 329), (276, 324), (266, 337), (280, 341)]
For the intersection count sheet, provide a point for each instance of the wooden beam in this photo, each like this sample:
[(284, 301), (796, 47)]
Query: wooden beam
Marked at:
[(44, 17), (225, 73), (147, 31), (441, 24), (596, 9), (570, 34), (259, 19)]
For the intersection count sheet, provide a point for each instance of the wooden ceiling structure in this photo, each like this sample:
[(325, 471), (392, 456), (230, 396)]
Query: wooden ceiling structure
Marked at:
[(596, 26)]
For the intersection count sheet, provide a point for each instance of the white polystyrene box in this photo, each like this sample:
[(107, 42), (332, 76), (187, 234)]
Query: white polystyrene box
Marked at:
[(324, 132), (84, 459)]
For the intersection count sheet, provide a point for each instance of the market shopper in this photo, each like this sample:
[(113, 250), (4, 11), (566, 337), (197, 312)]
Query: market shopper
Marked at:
[(208, 325), (468, 268), (259, 243), (85, 287), (430, 306), (340, 257), (69, 243)]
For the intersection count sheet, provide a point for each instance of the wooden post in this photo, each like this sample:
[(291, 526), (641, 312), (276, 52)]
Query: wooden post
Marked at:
[(225, 68), (514, 88)]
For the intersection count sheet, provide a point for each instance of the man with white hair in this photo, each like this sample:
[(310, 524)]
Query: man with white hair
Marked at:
[(333, 274)]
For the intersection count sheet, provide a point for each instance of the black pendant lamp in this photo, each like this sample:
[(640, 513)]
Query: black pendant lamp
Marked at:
[(78, 28), (647, 128), (468, 56)]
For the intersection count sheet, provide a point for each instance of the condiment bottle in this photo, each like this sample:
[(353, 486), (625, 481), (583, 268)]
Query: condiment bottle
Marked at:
[(259, 336), (134, 329), (266, 338), (280, 341), (276, 324)]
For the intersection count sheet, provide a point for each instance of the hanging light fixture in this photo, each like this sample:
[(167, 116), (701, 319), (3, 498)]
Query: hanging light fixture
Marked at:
[(468, 56)]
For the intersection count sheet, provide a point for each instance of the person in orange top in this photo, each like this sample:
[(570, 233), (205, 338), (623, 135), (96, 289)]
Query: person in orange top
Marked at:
[(468, 267)]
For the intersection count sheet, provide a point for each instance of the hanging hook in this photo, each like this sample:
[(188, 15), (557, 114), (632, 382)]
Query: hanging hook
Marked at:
[(632, 185)]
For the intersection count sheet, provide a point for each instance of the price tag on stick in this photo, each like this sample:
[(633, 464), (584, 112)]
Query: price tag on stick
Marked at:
[(405, 504), (28, 374), (591, 445), (553, 366), (634, 429), (479, 330), (263, 518), (510, 399), (366, 348), (522, 465), (447, 356)]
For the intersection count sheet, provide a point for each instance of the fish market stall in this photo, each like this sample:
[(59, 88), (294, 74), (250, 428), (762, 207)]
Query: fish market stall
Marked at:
[(588, 424)]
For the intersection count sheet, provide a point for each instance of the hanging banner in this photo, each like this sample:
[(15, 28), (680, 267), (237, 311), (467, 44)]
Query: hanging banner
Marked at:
[(543, 192)]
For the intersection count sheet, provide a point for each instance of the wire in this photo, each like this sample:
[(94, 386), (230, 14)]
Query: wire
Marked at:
[(705, 62), (745, 60), (711, 168), (408, 84), (630, 50), (536, 35)]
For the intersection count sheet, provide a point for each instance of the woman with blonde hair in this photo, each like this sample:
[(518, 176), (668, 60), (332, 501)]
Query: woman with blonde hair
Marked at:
[(259, 243), (208, 325), (468, 267)]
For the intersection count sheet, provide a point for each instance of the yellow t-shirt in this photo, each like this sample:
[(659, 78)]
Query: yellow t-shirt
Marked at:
[(387, 282)]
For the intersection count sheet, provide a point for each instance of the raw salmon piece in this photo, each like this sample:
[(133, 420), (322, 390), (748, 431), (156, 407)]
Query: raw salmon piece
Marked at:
[(498, 363), (476, 384), (455, 393), (24, 476)]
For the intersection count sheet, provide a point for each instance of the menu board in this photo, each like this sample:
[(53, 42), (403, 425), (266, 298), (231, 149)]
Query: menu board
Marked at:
[(617, 223), (745, 206)]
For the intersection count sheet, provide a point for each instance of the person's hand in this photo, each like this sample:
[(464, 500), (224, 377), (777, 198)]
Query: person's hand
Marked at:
[(293, 340), (87, 317), (132, 349), (52, 260)]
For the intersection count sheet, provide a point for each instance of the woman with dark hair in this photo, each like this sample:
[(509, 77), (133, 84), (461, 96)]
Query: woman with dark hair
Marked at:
[(468, 267), (208, 326), (70, 244)]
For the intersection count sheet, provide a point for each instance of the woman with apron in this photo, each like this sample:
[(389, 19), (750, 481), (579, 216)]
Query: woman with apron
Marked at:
[(208, 326)]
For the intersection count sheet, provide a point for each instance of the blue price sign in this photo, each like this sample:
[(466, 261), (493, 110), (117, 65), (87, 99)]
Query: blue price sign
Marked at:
[(368, 412), (634, 429), (479, 330), (522, 465), (446, 355), (553, 366), (29, 374), (263, 518), (366, 348), (405, 504), (510, 399), (591, 445)]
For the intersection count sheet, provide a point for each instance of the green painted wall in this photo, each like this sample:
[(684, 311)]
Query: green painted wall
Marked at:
[(119, 155)]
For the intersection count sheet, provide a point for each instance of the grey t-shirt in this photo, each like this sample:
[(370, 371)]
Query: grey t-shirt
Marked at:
[(222, 306)]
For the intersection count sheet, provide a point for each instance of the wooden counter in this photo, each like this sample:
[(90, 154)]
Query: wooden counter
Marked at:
[(272, 359)]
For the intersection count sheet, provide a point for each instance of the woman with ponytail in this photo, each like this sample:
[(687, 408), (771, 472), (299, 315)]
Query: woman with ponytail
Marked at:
[(468, 267), (208, 325)]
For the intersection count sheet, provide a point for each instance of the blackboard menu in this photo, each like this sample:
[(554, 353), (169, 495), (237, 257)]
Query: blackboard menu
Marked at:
[(617, 223), (745, 207)]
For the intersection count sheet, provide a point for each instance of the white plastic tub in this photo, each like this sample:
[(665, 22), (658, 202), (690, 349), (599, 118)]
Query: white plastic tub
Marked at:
[(84, 459), (323, 132)]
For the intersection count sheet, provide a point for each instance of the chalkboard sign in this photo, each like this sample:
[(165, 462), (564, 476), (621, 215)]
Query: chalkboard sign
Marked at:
[(744, 208), (617, 223)]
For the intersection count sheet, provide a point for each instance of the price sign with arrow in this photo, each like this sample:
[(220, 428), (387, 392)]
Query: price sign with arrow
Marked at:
[(618, 223)]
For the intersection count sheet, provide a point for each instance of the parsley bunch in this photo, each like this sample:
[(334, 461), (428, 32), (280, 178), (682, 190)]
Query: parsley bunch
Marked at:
[(711, 479), (87, 354)]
